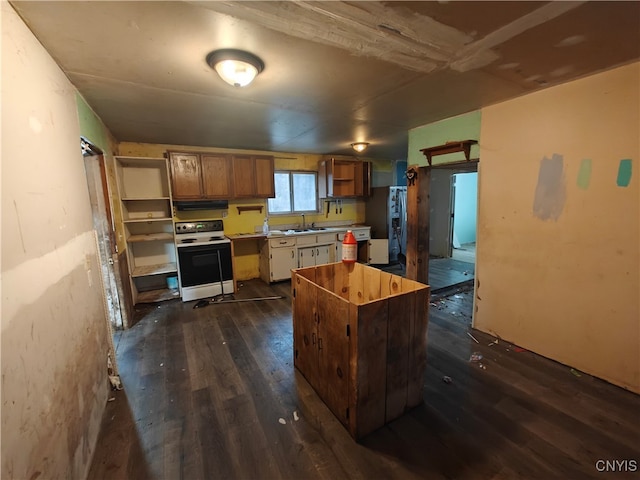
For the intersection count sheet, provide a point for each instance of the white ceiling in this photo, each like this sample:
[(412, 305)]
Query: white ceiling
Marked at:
[(336, 72)]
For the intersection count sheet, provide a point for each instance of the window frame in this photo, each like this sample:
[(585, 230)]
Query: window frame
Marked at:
[(291, 198)]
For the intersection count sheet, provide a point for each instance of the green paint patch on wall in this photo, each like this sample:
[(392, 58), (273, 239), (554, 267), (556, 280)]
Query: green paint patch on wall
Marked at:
[(550, 195), (624, 172), (584, 174)]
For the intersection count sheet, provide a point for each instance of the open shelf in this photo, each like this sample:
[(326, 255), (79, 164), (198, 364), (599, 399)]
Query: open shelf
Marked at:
[(160, 269), (449, 147), (147, 220), (145, 200), (151, 237), (160, 295)]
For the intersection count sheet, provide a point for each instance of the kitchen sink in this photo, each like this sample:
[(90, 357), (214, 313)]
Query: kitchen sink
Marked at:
[(312, 229)]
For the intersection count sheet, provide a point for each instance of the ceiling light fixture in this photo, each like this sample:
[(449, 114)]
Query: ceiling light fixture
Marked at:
[(236, 67), (359, 146)]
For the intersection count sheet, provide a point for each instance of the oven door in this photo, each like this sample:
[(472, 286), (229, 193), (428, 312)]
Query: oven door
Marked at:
[(203, 264)]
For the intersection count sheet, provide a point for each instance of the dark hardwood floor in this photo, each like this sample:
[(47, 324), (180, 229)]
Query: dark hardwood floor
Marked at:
[(444, 273), (212, 393)]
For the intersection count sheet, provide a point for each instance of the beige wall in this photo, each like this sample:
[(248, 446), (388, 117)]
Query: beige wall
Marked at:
[(54, 335), (564, 285)]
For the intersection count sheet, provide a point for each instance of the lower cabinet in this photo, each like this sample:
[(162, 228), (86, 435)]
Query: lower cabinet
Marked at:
[(312, 256), (278, 256)]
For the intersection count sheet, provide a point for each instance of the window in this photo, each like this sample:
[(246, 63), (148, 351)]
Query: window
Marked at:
[(295, 193)]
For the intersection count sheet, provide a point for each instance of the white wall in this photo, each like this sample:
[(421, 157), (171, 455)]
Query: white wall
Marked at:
[(54, 336), (557, 257)]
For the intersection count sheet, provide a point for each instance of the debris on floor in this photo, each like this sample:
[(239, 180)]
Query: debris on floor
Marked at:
[(282, 421), (519, 349), (295, 416), (447, 379), (575, 372), (473, 338), (475, 357)]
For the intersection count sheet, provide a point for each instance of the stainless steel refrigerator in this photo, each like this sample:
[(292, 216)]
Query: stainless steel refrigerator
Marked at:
[(386, 213)]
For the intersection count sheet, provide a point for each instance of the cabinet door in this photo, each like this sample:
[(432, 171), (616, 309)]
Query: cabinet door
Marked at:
[(186, 182), (333, 352), (306, 257), (283, 260), (362, 179), (244, 176), (216, 176), (265, 183), (322, 254), (379, 251)]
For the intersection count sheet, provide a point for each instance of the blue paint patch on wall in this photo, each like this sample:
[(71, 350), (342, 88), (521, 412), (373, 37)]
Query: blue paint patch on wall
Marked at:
[(550, 194), (624, 172)]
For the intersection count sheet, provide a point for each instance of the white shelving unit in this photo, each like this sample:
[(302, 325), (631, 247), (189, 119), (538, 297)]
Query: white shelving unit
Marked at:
[(145, 199)]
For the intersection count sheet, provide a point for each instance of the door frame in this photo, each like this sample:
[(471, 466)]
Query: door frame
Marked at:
[(102, 217), (418, 216)]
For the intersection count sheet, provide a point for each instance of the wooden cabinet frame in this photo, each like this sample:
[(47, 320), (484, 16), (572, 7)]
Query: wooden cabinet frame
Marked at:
[(344, 177), (221, 176)]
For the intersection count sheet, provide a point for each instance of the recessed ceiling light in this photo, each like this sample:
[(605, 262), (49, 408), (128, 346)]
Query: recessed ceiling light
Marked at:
[(236, 67)]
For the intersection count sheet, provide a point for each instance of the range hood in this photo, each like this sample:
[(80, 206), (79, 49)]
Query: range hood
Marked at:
[(201, 205)]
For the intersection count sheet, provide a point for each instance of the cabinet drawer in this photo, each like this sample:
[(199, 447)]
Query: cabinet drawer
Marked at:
[(361, 234), (306, 240), (282, 242), (326, 238)]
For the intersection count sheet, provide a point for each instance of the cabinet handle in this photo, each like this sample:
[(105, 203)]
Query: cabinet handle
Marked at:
[(318, 252), (291, 253), (319, 343), (312, 254)]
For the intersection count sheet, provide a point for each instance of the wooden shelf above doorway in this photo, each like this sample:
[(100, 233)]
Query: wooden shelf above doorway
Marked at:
[(449, 147)]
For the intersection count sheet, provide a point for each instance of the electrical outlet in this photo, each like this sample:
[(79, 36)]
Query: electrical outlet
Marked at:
[(224, 214)]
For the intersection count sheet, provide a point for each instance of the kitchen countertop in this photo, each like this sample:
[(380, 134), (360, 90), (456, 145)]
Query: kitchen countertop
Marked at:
[(282, 233)]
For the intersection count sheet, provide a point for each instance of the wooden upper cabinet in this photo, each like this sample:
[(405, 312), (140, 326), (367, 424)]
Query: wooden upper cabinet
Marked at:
[(253, 176), (186, 181), (344, 177), (200, 176), (244, 176), (265, 182), (216, 176)]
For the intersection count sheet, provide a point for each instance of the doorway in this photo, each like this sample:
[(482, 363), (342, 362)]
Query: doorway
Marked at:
[(453, 201), (463, 212)]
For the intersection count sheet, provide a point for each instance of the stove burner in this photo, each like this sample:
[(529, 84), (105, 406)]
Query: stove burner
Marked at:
[(188, 240)]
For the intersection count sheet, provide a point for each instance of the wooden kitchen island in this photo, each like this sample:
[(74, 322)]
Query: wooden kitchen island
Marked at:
[(359, 338)]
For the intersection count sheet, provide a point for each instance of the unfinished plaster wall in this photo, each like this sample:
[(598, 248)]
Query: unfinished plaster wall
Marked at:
[(54, 336), (557, 252)]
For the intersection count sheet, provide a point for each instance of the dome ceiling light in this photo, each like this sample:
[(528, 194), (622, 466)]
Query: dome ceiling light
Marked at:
[(360, 146), (236, 67)]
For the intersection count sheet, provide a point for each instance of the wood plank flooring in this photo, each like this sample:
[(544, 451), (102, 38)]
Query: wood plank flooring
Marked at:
[(212, 393), (444, 273)]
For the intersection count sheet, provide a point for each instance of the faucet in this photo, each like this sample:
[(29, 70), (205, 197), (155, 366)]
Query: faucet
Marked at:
[(303, 225)]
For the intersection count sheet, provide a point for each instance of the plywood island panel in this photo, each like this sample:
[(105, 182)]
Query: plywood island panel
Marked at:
[(360, 338)]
